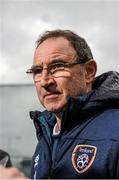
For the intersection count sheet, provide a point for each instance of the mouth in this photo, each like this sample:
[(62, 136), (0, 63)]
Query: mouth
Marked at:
[(51, 95)]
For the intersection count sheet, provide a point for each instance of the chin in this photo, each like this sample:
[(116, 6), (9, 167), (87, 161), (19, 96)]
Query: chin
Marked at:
[(54, 108), (56, 111)]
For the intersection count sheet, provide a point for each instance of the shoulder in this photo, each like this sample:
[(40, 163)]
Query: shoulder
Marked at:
[(109, 117), (104, 125)]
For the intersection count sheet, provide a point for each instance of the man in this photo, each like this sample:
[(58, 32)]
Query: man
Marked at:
[(78, 134)]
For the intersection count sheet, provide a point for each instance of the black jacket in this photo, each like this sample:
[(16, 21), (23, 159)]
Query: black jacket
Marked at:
[(88, 145)]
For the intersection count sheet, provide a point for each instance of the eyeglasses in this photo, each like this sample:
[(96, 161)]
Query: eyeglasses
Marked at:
[(57, 69)]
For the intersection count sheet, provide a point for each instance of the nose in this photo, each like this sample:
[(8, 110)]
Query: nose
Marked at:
[(46, 79)]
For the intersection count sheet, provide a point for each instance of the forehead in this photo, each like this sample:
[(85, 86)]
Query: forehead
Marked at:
[(53, 48)]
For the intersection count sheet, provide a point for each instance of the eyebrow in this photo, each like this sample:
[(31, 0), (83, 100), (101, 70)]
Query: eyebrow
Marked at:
[(58, 60), (35, 67)]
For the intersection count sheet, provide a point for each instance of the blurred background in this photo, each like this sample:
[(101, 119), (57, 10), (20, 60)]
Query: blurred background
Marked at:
[(21, 22)]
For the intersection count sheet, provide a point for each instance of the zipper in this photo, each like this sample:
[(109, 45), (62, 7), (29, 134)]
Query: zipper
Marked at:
[(54, 152)]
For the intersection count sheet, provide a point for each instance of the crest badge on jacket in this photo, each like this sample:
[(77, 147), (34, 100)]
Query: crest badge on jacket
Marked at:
[(82, 157)]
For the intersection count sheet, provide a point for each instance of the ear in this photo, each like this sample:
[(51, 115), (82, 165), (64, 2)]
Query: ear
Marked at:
[(90, 70)]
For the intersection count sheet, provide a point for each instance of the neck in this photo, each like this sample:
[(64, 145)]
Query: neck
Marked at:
[(58, 118)]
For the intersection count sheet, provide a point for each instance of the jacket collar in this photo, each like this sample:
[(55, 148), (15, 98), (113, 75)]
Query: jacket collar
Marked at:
[(105, 95)]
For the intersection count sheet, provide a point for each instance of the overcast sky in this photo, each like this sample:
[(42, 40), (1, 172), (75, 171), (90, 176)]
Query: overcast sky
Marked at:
[(21, 22)]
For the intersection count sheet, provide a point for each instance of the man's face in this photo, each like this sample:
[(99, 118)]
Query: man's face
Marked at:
[(53, 92)]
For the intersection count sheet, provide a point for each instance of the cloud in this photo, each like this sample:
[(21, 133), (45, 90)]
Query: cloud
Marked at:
[(21, 22), (33, 28)]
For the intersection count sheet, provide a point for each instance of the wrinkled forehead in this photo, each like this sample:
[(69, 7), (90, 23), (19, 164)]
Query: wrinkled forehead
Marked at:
[(53, 48)]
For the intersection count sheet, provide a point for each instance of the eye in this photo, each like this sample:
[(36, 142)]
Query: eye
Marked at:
[(56, 67)]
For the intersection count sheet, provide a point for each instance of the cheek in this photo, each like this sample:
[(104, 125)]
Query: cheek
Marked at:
[(74, 86), (67, 87)]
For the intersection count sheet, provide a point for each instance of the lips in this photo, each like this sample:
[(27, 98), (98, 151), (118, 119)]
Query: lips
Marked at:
[(52, 95)]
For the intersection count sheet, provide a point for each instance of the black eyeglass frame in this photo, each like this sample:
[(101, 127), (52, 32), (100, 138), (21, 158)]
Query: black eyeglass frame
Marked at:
[(64, 65)]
